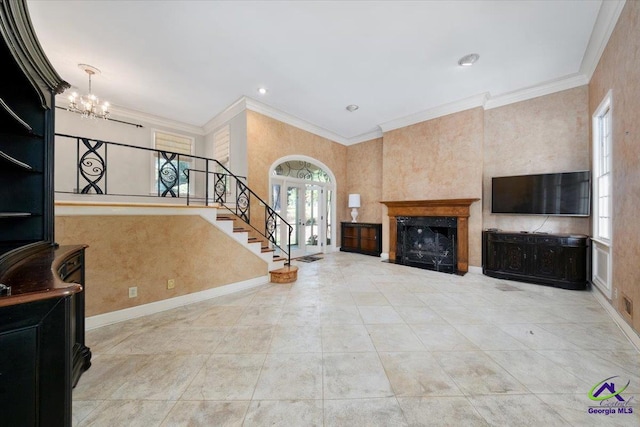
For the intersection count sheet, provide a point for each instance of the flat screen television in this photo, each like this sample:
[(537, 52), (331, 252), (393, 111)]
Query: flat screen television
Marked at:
[(565, 193)]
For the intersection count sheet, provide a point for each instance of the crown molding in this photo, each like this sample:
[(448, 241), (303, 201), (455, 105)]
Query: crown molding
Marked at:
[(148, 119), (247, 103), (536, 91), (151, 119), (227, 114), (433, 113), (374, 134), (606, 21), (274, 113)]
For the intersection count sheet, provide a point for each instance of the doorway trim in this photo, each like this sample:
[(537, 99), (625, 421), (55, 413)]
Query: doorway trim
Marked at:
[(331, 186)]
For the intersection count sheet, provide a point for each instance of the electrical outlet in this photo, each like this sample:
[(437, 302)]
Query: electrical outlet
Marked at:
[(133, 292), (171, 283)]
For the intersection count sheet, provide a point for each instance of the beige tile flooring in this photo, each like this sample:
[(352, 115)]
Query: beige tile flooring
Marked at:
[(360, 342)]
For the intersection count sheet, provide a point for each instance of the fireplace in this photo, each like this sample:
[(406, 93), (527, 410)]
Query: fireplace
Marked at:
[(446, 224), (427, 242)]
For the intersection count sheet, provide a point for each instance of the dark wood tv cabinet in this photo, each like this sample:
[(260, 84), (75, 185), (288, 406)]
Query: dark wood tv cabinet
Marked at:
[(558, 260), (361, 237)]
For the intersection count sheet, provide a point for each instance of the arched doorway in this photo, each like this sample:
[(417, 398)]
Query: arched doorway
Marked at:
[(303, 193)]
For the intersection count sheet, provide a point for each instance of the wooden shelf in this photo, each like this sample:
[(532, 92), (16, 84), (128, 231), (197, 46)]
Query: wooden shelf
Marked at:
[(15, 117), (16, 214), (15, 162)]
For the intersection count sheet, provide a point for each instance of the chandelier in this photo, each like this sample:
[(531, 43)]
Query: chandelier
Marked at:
[(88, 106)]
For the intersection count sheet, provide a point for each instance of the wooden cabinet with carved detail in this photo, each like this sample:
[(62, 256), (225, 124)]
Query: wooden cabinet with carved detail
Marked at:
[(558, 260)]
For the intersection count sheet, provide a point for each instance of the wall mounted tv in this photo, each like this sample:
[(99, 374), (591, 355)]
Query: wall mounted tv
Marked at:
[(566, 193)]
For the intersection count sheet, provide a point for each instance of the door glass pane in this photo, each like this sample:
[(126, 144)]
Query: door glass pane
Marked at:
[(293, 214), (329, 219), (312, 217)]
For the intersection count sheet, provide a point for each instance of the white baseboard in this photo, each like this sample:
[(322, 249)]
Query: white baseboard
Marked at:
[(622, 324), (167, 304), (475, 270)]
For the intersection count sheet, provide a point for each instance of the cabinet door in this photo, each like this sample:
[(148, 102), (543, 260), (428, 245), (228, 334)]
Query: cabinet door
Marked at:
[(491, 256), (575, 264), (350, 238), (514, 258), (18, 377), (547, 261), (368, 239)]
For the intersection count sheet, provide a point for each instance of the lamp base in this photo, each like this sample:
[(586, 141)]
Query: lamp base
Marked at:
[(354, 214)]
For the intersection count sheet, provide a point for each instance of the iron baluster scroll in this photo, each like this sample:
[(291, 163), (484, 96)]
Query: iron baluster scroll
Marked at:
[(92, 166), (168, 175), (270, 224), (242, 201), (219, 187)]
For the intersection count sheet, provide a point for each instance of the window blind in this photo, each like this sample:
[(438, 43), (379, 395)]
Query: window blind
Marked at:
[(174, 143), (221, 140)]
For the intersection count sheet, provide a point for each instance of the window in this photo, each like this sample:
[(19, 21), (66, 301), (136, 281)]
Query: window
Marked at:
[(171, 164), (601, 272), (221, 141), (602, 171)]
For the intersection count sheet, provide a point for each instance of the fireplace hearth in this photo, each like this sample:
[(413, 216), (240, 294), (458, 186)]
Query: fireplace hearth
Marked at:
[(427, 242)]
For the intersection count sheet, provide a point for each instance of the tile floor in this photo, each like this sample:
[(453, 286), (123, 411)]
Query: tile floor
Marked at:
[(359, 342)]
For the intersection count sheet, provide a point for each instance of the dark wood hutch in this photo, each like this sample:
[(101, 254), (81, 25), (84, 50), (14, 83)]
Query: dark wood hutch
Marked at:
[(42, 348)]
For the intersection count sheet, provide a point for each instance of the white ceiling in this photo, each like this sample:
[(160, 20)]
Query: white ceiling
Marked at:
[(188, 61)]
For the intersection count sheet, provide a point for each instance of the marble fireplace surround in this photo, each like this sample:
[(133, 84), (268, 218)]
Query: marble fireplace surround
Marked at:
[(458, 208)]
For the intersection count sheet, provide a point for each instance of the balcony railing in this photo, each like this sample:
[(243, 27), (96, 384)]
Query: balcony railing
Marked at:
[(117, 169)]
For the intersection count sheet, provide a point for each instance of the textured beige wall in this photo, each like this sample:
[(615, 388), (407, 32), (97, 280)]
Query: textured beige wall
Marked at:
[(618, 71), (545, 134), (364, 177), (146, 251), (437, 159), (269, 140)]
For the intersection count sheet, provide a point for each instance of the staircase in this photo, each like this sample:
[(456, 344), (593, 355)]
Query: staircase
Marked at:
[(219, 188), (278, 270)]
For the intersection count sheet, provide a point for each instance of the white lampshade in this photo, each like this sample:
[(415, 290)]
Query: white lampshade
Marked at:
[(354, 200)]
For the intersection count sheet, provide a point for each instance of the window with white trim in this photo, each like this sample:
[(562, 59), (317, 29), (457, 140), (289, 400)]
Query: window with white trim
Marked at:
[(602, 184), (171, 164)]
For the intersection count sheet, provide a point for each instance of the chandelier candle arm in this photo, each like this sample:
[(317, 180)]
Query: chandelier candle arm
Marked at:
[(88, 105)]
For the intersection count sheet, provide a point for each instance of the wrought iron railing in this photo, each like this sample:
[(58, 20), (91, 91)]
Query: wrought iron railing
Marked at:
[(196, 179)]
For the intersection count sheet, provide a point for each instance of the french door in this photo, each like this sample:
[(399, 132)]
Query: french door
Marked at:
[(306, 207)]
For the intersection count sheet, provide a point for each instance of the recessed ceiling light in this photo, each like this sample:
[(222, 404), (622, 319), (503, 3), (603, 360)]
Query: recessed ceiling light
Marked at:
[(468, 60), (262, 91), (352, 107)]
